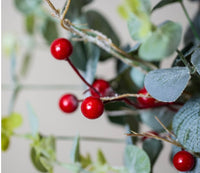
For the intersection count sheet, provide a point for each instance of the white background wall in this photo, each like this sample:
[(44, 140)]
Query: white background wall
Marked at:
[(46, 70)]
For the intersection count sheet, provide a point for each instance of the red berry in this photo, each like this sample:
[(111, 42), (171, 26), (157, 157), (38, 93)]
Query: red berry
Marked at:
[(61, 48), (150, 132), (183, 161), (146, 101), (92, 107), (68, 103), (101, 86)]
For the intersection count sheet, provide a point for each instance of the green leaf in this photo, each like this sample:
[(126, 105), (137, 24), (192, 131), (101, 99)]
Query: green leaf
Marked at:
[(5, 141), (95, 20), (85, 161), (36, 161), (195, 59), (11, 122), (26, 62), (167, 84), (49, 30), (75, 152), (33, 120), (162, 43), (136, 160), (164, 115), (186, 125), (163, 3), (140, 27), (27, 6), (101, 160), (153, 148), (30, 23), (75, 10), (79, 57)]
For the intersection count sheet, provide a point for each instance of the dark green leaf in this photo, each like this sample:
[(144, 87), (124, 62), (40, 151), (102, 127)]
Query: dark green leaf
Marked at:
[(79, 56), (136, 160), (36, 161), (27, 6), (162, 43), (75, 152), (95, 20), (75, 9), (164, 115), (163, 3), (153, 148), (167, 84), (186, 125), (30, 23), (196, 60), (49, 30)]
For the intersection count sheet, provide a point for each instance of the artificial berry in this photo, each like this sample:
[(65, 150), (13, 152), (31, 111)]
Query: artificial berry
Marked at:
[(183, 161), (92, 107), (146, 101), (68, 103), (61, 48), (150, 132), (102, 87)]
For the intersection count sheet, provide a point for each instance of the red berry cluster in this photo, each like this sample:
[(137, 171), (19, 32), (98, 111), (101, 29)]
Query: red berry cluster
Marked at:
[(92, 107)]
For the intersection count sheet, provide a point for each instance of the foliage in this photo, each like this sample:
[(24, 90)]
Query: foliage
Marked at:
[(175, 89)]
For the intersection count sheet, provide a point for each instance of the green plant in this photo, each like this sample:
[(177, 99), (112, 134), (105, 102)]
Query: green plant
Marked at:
[(167, 100)]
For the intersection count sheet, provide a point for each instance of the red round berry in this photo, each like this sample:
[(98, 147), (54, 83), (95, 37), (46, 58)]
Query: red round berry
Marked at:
[(68, 103), (92, 107), (101, 86), (146, 101), (61, 48), (183, 161)]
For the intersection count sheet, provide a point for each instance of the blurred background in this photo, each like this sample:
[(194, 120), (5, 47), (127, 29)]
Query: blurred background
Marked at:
[(46, 71)]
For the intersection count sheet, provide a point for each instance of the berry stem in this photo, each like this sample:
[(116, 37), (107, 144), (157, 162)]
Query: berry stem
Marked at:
[(82, 78)]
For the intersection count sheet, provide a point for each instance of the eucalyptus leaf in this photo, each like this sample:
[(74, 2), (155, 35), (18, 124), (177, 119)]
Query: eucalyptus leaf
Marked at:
[(136, 160), (27, 6), (49, 30), (162, 43), (153, 148), (163, 3), (75, 152), (195, 59), (93, 54), (138, 77), (163, 114), (33, 120), (167, 84), (186, 125)]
